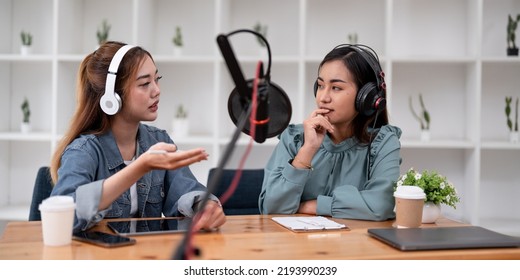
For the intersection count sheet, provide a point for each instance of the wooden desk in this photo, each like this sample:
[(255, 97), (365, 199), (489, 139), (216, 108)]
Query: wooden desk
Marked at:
[(241, 238)]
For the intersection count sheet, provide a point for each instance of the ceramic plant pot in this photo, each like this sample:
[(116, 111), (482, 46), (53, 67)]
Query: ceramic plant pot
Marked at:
[(425, 135), (431, 212), (180, 128), (25, 127), (25, 50)]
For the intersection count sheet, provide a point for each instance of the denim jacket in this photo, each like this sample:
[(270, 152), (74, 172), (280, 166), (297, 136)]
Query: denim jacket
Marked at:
[(90, 159)]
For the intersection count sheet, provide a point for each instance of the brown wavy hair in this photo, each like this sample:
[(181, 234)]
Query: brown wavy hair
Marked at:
[(88, 116)]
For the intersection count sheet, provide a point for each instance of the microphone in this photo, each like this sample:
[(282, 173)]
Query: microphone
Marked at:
[(261, 118), (273, 111)]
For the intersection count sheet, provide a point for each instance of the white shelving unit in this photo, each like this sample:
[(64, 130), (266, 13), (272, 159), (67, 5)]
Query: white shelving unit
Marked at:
[(451, 51)]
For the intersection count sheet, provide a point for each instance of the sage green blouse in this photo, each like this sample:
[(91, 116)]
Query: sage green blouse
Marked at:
[(338, 178)]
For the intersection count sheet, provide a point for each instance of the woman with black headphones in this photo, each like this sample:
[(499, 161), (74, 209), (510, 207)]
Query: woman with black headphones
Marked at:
[(345, 157)]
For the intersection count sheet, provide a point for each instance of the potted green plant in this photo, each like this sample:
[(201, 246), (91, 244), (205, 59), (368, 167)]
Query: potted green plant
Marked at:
[(180, 123), (26, 112), (262, 30), (26, 42), (102, 32), (512, 24), (423, 118), (177, 41), (352, 38), (437, 188), (513, 127)]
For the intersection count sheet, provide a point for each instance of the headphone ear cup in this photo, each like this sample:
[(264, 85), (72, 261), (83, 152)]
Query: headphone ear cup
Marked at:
[(315, 88), (110, 103), (365, 99)]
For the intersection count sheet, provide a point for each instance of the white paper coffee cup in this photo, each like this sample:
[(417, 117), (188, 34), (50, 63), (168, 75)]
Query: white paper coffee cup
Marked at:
[(57, 214), (409, 202)]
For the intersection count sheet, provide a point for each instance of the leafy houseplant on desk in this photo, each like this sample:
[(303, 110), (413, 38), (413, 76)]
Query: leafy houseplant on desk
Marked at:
[(437, 188)]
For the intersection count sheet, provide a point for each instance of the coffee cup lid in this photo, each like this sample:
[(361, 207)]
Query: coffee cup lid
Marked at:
[(410, 192), (57, 203)]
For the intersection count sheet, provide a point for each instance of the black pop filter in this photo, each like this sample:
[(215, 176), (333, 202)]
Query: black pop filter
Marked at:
[(279, 108), (274, 107)]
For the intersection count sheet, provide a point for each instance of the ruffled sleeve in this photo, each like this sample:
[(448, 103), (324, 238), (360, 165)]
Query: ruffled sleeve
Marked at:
[(387, 139)]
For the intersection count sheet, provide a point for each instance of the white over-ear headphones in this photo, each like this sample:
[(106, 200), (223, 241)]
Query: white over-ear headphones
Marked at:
[(111, 101)]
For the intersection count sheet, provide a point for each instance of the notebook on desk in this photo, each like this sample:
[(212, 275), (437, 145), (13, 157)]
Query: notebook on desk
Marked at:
[(434, 238), (306, 224)]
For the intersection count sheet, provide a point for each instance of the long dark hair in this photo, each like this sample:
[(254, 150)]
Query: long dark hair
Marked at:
[(362, 73)]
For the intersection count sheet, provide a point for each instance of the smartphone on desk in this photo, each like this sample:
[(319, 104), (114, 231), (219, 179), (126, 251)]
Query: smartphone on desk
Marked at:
[(103, 239)]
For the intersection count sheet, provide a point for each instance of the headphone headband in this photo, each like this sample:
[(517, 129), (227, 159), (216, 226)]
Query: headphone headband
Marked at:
[(372, 59), (111, 101), (118, 57), (370, 96), (114, 66)]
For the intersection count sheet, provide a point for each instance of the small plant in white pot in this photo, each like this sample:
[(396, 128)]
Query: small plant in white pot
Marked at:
[(102, 32), (177, 41), (262, 30), (25, 126), (437, 188), (26, 37), (423, 118), (352, 38), (512, 24), (513, 128), (180, 123)]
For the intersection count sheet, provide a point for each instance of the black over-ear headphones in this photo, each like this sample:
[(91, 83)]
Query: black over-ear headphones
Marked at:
[(370, 97), (111, 101)]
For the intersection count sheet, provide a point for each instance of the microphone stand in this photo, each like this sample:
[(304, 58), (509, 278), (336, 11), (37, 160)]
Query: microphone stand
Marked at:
[(180, 253), (243, 91)]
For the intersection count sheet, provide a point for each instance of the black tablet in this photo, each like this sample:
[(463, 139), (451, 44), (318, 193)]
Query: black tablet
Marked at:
[(164, 225)]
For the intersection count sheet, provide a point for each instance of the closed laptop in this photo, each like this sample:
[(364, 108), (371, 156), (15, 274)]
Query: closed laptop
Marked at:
[(435, 238)]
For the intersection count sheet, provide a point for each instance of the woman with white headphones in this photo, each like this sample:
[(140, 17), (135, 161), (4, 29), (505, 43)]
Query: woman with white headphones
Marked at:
[(114, 165)]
